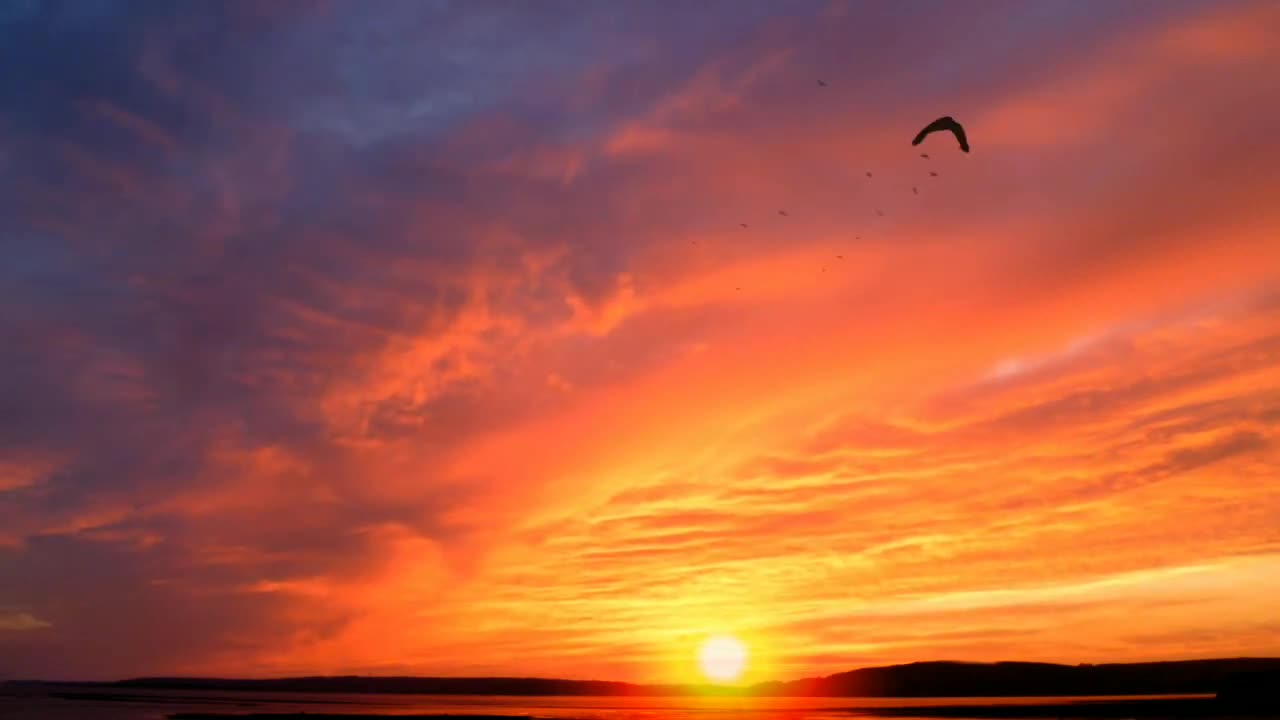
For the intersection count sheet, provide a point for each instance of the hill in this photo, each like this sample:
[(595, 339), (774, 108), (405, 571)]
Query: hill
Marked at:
[(1024, 679)]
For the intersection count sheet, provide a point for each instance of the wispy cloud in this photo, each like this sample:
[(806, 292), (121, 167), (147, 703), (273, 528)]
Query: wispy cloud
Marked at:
[(19, 621)]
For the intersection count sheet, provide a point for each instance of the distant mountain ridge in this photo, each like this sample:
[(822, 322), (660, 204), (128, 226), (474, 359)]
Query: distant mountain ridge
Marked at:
[(1025, 679), (921, 679)]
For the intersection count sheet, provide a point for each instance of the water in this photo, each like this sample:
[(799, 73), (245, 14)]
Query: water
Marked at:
[(157, 704)]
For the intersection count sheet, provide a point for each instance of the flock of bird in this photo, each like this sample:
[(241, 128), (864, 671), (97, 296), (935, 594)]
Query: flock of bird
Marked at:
[(946, 123)]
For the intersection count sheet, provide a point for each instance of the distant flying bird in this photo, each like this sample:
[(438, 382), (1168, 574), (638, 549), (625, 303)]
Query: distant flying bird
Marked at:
[(743, 224), (839, 257), (915, 190), (783, 213), (933, 174), (946, 122), (924, 155), (880, 213), (821, 84), (737, 288), (868, 173)]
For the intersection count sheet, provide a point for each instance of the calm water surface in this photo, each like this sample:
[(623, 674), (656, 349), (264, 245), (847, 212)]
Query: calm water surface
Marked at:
[(156, 704)]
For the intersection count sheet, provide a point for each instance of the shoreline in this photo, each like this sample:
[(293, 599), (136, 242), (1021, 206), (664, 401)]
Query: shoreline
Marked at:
[(1151, 709), (338, 716), (1144, 709)]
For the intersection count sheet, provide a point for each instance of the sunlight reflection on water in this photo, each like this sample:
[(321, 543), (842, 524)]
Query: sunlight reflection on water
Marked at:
[(156, 705)]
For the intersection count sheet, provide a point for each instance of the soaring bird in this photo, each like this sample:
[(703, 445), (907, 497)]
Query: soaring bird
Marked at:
[(868, 173), (924, 155), (821, 84), (743, 224), (946, 122), (915, 190), (783, 213), (933, 173)]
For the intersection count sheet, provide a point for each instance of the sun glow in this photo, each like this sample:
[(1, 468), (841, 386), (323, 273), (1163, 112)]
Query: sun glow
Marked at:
[(722, 658)]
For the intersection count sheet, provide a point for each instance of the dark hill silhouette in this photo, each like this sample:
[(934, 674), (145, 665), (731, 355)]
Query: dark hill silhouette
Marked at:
[(957, 679), (924, 679)]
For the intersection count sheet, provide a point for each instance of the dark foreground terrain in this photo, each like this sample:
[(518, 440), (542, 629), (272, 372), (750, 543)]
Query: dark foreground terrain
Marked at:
[(327, 716), (1145, 709), (1236, 689)]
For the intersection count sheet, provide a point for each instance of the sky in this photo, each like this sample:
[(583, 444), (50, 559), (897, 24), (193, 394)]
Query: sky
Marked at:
[(423, 337)]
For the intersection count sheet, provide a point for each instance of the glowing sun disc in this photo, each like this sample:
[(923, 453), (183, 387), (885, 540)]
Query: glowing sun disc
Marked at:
[(723, 658)]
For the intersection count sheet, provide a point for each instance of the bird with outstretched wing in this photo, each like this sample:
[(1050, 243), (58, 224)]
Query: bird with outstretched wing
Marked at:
[(948, 123)]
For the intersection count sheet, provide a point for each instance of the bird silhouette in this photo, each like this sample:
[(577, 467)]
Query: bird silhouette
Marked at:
[(924, 155), (915, 190), (868, 173), (743, 224), (839, 257), (783, 213), (933, 174), (821, 84), (946, 122), (880, 213)]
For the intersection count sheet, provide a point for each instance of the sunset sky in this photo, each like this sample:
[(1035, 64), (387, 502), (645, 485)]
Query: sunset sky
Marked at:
[(424, 337)]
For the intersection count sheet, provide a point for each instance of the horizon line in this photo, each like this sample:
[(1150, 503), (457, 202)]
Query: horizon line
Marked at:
[(703, 685)]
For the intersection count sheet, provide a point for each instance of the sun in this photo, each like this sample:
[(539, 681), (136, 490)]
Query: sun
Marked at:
[(722, 658)]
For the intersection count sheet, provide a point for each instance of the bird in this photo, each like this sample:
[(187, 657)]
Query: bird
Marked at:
[(868, 173), (933, 174), (915, 190), (737, 288), (880, 213), (924, 155), (783, 213), (839, 257), (946, 122), (821, 84), (743, 224)]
